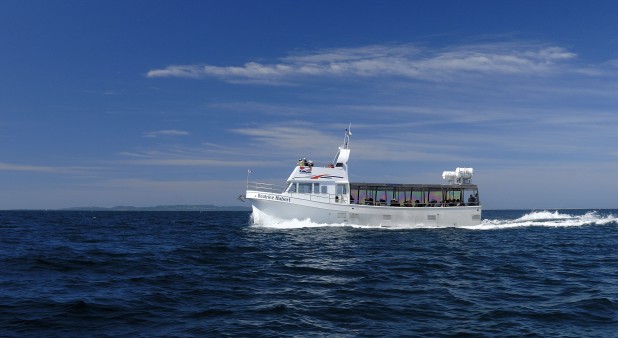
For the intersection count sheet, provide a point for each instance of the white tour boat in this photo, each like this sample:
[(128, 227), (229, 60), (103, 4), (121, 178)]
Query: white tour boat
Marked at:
[(325, 195)]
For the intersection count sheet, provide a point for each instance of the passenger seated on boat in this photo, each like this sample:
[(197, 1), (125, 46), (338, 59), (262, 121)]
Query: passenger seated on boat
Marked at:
[(471, 200), (351, 199), (407, 203), (382, 201), (368, 201), (395, 203), (418, 203)]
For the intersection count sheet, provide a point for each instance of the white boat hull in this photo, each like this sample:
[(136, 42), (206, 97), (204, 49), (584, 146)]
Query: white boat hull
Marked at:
[(285, 207)]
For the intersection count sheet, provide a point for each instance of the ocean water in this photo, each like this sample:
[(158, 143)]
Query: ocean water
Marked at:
[(212, 274)]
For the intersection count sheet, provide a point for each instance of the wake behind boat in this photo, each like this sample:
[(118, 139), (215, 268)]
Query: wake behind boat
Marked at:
[(325, 195)]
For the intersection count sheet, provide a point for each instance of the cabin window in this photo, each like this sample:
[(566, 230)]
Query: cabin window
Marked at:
[(341, 189), (304, 188), (471, 197), (453, 196), (381, 197), (417, 195), (354, 195), (435, 197), (316, 188)]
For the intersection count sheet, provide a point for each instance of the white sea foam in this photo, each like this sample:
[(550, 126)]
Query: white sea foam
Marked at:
[(263, 220), (543, 218), (260, 219), (546, 218)]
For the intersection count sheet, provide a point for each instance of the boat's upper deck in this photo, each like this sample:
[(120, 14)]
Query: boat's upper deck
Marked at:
[(414, 194)]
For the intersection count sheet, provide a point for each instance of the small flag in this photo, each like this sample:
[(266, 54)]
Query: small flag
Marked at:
[(249, 171)]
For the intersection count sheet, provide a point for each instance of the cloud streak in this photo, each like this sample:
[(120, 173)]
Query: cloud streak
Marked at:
[(4, 166), (404, 61), (167, 132)]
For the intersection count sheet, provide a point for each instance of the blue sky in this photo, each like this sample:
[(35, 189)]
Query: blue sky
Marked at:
[(106, 103)]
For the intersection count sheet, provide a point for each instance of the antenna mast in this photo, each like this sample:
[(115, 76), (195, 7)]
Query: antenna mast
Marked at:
[(346, 138)]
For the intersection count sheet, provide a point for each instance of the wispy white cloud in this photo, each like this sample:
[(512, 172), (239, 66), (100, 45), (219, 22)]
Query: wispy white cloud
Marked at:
[(191, 162), (167, 132), (271, 144), (511, 137), (4, 166), (24, 167), (405, 61), (107, 92), (209, 155), (320, 143), (283, 141)]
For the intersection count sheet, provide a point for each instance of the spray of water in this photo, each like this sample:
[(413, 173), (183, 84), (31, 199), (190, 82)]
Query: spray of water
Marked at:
[(547, 219)]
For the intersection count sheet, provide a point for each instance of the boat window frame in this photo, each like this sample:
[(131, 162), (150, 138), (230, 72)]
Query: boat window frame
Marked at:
[(305, 188)]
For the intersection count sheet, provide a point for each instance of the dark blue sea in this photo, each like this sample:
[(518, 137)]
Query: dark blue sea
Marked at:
[(546, 273)]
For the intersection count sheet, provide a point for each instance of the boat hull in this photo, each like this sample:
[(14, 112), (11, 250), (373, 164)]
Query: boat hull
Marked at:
[(284, 207)]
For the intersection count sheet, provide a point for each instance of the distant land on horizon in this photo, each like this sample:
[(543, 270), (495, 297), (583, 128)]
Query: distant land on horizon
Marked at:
[(162, 208)]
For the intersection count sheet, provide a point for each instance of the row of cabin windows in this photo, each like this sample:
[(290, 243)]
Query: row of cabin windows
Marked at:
[(362, 195), (316, 188), (307, 188)]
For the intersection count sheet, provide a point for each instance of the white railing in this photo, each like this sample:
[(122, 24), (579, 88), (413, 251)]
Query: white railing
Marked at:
[(265, 187)]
